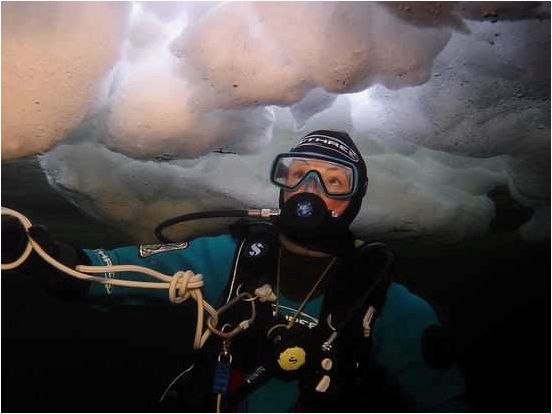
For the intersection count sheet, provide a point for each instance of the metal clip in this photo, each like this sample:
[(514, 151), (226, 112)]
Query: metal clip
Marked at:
[(327, 345), (255, 375), (263, 212), (245, 324)]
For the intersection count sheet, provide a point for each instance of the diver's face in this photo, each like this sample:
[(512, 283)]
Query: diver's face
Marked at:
[(334, 179)]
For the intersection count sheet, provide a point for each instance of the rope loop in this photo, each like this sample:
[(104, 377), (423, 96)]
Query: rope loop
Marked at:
[(181, 286), (28, 248)]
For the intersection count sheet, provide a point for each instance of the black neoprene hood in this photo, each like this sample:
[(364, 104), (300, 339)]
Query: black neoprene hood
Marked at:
[(338, 145), (330, 234)]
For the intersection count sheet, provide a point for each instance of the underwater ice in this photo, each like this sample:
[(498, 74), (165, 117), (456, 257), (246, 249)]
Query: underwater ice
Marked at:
[(444, 103)]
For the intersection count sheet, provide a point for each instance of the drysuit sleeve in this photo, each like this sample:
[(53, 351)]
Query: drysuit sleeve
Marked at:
[(398, 349), (210, 256)]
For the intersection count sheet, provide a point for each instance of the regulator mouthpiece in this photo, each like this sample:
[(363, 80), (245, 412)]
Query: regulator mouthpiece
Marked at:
[(304, 212)]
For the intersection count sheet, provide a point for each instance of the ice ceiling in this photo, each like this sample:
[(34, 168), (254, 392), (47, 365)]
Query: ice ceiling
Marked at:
[(143, 111)]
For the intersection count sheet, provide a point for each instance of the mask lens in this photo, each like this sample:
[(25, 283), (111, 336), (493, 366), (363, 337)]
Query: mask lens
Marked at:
[(338, 179)]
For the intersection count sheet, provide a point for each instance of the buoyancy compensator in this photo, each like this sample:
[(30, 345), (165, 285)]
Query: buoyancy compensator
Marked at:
[(326, 352)]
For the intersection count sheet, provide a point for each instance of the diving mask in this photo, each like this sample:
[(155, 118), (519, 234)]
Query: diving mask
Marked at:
[(334, 177)]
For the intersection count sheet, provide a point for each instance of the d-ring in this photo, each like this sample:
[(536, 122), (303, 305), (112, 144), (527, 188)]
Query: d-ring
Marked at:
[(225, 354), (226, 325), (329, 322), (279, 325), (253, 299)]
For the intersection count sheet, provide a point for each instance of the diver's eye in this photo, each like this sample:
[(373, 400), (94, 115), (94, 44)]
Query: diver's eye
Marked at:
[(335, 182), (296, 174)]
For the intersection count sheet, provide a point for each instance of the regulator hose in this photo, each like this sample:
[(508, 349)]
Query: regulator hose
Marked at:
[(258, 213)]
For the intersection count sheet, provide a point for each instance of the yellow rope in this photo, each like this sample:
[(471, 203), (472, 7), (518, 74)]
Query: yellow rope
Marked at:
[(181, 286)]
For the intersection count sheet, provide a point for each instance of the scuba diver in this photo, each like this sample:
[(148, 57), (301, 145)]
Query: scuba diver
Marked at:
[(309, 319)]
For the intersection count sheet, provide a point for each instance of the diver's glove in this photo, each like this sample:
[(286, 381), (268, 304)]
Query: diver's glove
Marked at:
[(47, 277), (14, 239)]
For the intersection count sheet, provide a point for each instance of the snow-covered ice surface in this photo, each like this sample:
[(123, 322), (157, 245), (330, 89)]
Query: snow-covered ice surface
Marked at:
[(446, 102)]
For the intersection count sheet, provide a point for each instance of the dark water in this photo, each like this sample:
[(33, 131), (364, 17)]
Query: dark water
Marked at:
[(493, 293)]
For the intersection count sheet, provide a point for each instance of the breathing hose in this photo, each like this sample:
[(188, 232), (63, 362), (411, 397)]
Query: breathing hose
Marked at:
[(257, 213)]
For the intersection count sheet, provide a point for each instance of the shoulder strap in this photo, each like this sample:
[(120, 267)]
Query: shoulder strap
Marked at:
[(361, 286), (257, 245), (381, 260), (249, 227), (361, 280)]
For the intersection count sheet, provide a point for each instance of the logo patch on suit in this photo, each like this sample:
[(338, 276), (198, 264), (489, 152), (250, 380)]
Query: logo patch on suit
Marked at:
[(292, 358), (147, 250), (256, 249)]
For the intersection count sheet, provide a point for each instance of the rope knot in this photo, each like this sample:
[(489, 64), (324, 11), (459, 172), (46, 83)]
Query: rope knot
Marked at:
[(265, 293), (182, 284)]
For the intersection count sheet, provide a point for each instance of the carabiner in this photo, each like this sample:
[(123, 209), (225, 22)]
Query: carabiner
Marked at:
[(243, 325)]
